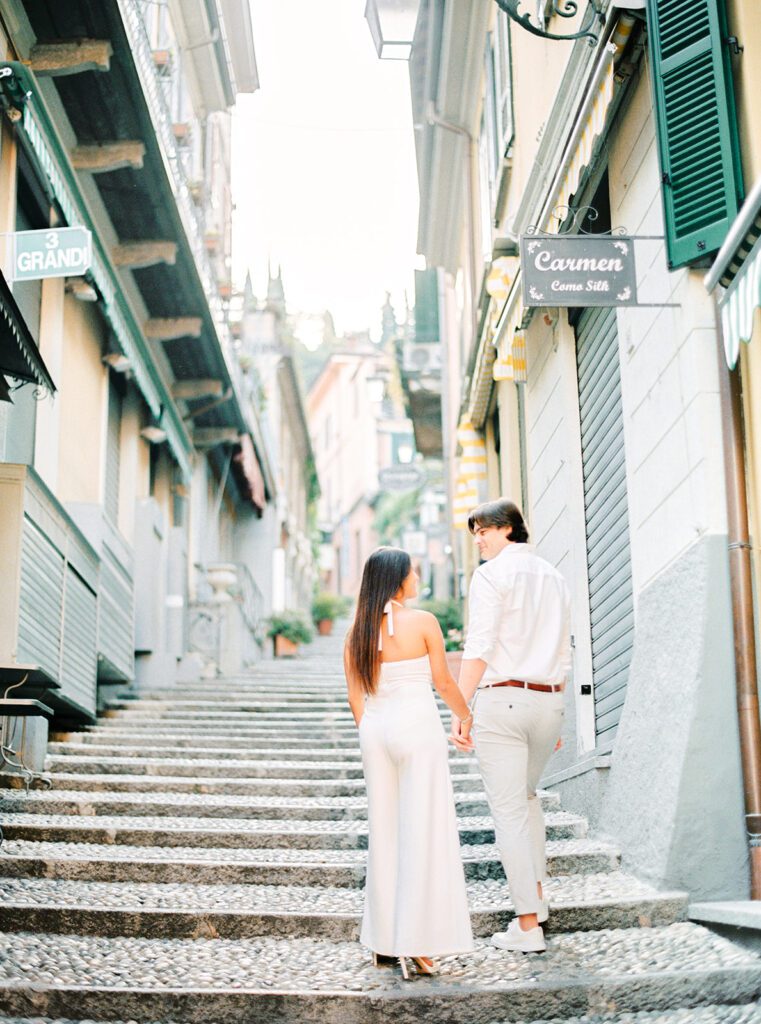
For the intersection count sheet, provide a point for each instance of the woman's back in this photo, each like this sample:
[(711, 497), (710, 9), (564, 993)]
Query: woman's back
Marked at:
[(403, 633)]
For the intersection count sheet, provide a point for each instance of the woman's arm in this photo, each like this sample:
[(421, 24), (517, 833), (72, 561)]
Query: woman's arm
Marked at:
[(355, 691), (443, 680)]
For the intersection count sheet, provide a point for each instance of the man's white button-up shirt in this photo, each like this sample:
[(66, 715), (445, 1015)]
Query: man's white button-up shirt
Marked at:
[(519, 618)]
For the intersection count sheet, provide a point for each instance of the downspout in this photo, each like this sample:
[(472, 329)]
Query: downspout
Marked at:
[(741, 576)]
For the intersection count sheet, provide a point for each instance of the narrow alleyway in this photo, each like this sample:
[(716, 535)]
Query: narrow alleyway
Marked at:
[(200, 858)]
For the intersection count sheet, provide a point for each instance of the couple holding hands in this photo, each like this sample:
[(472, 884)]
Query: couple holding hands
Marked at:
[(516, 660)]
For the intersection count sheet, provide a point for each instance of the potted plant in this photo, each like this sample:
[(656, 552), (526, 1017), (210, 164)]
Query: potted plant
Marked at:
[(326, 608), (449, 615), (288, 629)]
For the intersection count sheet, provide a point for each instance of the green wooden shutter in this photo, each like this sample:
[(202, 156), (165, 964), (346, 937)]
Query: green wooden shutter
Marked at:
[(696, 125)]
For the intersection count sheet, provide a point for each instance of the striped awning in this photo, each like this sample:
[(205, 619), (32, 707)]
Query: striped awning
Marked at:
[(499, 284), (471, 472), (737, 268), (465, 499), (19, 356), (510, 340), (589, 129), (739, 303)]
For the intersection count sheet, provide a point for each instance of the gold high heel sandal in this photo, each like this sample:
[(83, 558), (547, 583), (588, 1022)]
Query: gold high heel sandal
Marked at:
[(425, 965)]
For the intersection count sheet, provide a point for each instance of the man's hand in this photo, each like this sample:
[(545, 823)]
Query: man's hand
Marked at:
[(461, 738)]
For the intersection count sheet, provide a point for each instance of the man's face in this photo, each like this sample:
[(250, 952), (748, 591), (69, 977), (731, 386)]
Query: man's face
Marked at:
[(490, 540)]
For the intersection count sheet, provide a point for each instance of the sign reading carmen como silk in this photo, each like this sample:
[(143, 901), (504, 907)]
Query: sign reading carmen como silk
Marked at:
[(578, 270), (51, 252)]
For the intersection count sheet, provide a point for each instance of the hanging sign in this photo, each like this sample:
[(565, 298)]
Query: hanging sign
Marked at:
[(51, 252), (401, 478), (578, 270)]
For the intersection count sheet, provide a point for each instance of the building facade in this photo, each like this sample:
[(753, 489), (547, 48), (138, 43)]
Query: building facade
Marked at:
[(604, 422), (131, 453)]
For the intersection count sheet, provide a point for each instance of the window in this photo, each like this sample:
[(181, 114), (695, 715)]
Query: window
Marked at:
[(503, 83)]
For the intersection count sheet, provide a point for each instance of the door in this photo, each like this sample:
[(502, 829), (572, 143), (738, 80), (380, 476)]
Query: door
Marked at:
[(606, 515)]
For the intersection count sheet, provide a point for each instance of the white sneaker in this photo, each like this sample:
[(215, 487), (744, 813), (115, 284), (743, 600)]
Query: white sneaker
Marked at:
[(544, 913), (517, 940)]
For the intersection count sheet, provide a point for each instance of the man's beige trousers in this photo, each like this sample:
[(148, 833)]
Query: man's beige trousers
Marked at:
[(515, 732)]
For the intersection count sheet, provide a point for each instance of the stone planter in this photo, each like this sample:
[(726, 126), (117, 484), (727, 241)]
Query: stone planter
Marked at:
[(325, 627), (285, 648), (221, 576), (454, 661)]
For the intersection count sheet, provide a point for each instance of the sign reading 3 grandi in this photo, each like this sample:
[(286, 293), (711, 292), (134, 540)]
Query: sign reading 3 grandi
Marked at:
[(51, 252), (578, 270)]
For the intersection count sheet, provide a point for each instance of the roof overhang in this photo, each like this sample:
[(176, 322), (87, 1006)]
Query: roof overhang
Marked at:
[(446, 68)]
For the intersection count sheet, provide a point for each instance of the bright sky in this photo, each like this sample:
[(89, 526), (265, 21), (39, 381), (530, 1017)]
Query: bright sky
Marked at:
[(323, 164)]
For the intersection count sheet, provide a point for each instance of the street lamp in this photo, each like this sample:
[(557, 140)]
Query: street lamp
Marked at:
[(392, 26)]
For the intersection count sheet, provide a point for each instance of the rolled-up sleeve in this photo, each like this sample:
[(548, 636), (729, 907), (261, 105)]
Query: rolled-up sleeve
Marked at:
[(484, 614)]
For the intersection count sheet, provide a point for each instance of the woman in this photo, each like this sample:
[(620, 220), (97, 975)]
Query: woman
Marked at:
[(415, 901)]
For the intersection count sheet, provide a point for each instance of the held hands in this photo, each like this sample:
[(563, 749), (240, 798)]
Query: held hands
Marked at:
[(460, 734)]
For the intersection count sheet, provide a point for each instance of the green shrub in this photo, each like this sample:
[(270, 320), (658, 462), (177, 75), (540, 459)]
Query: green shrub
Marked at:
[(449, 613), (293, 625), (329, 606)]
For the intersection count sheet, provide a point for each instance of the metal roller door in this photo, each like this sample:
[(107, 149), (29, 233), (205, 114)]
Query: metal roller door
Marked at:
[(606, 514)]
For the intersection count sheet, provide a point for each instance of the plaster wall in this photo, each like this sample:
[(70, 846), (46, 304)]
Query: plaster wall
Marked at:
[(83, 396), (672, 794)]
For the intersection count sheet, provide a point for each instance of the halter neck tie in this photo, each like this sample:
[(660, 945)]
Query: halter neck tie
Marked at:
[(388, 609)]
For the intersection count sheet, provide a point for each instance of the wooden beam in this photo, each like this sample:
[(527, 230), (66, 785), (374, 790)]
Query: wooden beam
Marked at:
[(135, 255), (108, 156), (210, 437), (197, 388), (168, 328), (70, 56)]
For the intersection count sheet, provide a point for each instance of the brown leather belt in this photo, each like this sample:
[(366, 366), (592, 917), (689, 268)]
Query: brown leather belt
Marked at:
[(539, 687)]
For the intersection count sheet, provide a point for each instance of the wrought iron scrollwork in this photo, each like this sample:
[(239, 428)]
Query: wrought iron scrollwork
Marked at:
[(575, 220), (563, 9)]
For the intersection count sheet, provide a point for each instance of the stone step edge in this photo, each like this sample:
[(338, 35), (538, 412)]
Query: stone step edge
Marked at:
[(145, 921), (405, 1003)]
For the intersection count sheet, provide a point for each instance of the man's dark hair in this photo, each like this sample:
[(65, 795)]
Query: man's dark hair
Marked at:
[(500, 513)]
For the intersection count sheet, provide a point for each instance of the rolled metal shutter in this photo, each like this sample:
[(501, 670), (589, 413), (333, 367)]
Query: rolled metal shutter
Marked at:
[(606, 514)]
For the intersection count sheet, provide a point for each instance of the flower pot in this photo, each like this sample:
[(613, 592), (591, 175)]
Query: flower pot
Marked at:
[(285, 648), (454, 661), (325, 627)]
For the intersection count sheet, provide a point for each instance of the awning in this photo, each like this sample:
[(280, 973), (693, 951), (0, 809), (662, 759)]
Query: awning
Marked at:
[(738, 268), (510, 342), (19, 355), (498, 284), (471, 469), (581, 145), (249, 472)]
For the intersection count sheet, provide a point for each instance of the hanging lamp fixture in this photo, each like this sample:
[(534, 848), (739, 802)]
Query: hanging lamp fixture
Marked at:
[(561, 8)]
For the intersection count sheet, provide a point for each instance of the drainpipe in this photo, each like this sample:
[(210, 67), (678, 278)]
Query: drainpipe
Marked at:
[(741, 580)]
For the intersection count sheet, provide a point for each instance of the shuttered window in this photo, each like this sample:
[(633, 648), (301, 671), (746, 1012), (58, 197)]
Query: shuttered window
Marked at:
[(611, 604), (696, 124)]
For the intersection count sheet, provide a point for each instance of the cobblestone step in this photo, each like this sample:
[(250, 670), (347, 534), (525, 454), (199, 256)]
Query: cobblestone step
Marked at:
[(282, 714), (282, 866), (745, 1013), (211, 798), (294, 980), (84, 741), (225, 766), (171, 910), (238, 832), (202, 749), (270, 732)]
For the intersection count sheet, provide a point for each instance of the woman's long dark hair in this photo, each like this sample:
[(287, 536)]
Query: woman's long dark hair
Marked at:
[(385, 571)]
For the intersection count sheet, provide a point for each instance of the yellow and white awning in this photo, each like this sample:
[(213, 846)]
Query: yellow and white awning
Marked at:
[(510, 340), (499, 284), (465, 500), (472, 462), (589, 128)]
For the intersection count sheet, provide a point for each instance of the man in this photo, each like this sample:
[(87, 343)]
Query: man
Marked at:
[(517, 658)]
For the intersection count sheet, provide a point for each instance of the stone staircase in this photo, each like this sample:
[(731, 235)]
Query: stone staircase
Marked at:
[(200, 857)]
